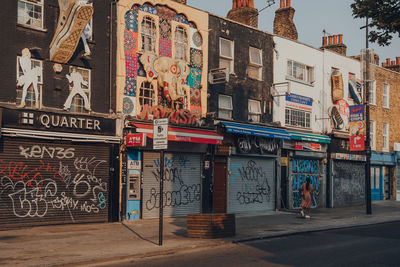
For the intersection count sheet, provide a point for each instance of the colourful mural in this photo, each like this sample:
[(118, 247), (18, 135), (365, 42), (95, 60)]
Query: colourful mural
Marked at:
[(153, 53)]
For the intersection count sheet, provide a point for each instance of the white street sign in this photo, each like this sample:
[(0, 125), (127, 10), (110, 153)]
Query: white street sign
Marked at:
[(134, 165), (160, 133)]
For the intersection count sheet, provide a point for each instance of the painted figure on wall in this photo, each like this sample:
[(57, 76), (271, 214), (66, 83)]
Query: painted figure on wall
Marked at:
[(74, 16), (77, 81), (29, 77), (164, 46)]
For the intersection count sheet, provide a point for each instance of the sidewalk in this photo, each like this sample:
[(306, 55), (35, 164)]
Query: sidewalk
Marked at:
[(91, 244)]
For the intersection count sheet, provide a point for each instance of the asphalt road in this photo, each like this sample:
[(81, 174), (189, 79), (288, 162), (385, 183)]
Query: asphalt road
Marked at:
[(377, 245)]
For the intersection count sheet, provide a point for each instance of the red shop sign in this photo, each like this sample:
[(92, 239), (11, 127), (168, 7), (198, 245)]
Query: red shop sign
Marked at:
[(138, 139), (357, 143)]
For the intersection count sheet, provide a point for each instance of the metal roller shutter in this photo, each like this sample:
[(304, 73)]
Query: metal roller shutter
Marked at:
[(251, 185), (182, 188), (51, 183)]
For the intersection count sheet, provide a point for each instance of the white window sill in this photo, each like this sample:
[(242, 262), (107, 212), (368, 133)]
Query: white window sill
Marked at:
[(299, 81), (32, 27)]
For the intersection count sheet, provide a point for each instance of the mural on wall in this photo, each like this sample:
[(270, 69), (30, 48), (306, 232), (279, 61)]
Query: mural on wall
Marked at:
[(77, 81), (170, 54), (339, 113), (30, 76), (53, 183), (72, 25), (301, 169)]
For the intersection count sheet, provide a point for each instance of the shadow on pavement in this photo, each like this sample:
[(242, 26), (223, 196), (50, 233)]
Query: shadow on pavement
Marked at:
[(137, 234)]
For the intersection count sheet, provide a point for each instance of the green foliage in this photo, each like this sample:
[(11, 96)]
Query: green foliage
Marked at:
[(383, 18)]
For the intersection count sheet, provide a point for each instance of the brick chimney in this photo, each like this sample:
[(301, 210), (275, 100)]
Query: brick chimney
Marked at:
[(283, 22), (335, 44), (393, 65), (243, 11), (180, 1)]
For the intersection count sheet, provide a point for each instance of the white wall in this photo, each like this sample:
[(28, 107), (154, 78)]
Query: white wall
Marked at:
[(285, 50)]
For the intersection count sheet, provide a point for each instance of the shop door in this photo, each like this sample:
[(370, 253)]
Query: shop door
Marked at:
[(251, 184), (376, 183), (52, 183), (219, 195), (386, 179), (182, 189)]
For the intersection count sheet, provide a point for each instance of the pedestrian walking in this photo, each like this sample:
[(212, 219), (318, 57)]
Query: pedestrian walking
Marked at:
[(305, 191)]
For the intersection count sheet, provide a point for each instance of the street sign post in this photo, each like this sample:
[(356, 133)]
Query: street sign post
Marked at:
[(160, 142)]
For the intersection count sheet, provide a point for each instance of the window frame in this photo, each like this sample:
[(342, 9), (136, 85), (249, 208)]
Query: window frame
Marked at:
[(372, 135), (154, 19), (385, 136), (289, 114), (27, 2), (308, 72), (30, 92), (386, 104), (77, 99), (250, 114), (223, 108), (175, 26), (372, 93), (230, 58), (254, 65), (141, 97)]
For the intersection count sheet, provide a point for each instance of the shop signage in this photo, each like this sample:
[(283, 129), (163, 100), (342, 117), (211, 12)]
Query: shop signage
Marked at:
[(357, 113), (343, 156), (134, 140), (134, 165), (48, 121), (181, 116), (284, 161), (307, 146), (299, 102), (357, 143), (256, 145), (160, 133)]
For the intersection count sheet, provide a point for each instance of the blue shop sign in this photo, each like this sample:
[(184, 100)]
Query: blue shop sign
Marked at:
[(299, 99), (357, 113)]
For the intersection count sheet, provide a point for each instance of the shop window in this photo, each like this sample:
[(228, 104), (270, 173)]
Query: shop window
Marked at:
[(181, 43), (300, 72), (30, 99), (297, 118), (225, 107), (226, 54), (148, 34), (30, 13), (385, 136), (385, 95), (254, 112), (254, 70), (78, 102), (146, 94)]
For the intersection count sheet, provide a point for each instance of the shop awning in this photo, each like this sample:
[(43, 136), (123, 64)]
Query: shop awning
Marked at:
[(232, 127), (309, 137), (182, 134)]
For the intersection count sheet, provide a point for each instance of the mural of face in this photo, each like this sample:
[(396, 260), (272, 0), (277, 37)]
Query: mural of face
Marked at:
[(171, 76)]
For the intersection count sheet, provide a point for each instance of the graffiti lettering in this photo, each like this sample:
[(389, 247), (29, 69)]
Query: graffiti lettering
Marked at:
[(303, 169), (174, 116), (255, 144), (40, 151)]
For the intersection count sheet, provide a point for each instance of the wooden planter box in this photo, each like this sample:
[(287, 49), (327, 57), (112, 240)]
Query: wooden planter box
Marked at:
[(213, 225)]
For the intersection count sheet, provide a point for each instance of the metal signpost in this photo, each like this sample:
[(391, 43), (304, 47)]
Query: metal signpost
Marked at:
[(160, 142)]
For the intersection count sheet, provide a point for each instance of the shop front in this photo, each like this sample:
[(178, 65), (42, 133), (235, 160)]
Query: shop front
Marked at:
[(187, 167), (382, 176), (304, 156), (57, 169), (245, 170), (398, 176)]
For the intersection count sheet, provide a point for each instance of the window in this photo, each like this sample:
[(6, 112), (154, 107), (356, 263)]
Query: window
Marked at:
[(297, 118), (385, 95), (254, 111), (30, 12), (254, 70), (78, 101), (226, 54), (148, 32), (385, 136), (372, 93), (300, 71), (30, 99), (372, 134), (181, 43), (146, 94), (225, 107)]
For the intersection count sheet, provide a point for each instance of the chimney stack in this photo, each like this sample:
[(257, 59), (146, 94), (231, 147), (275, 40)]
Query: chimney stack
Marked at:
[(283, 22), (335, 44), (243, 11), (393, 65)]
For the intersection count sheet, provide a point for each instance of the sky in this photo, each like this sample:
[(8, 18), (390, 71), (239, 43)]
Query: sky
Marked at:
[(311, 18)]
